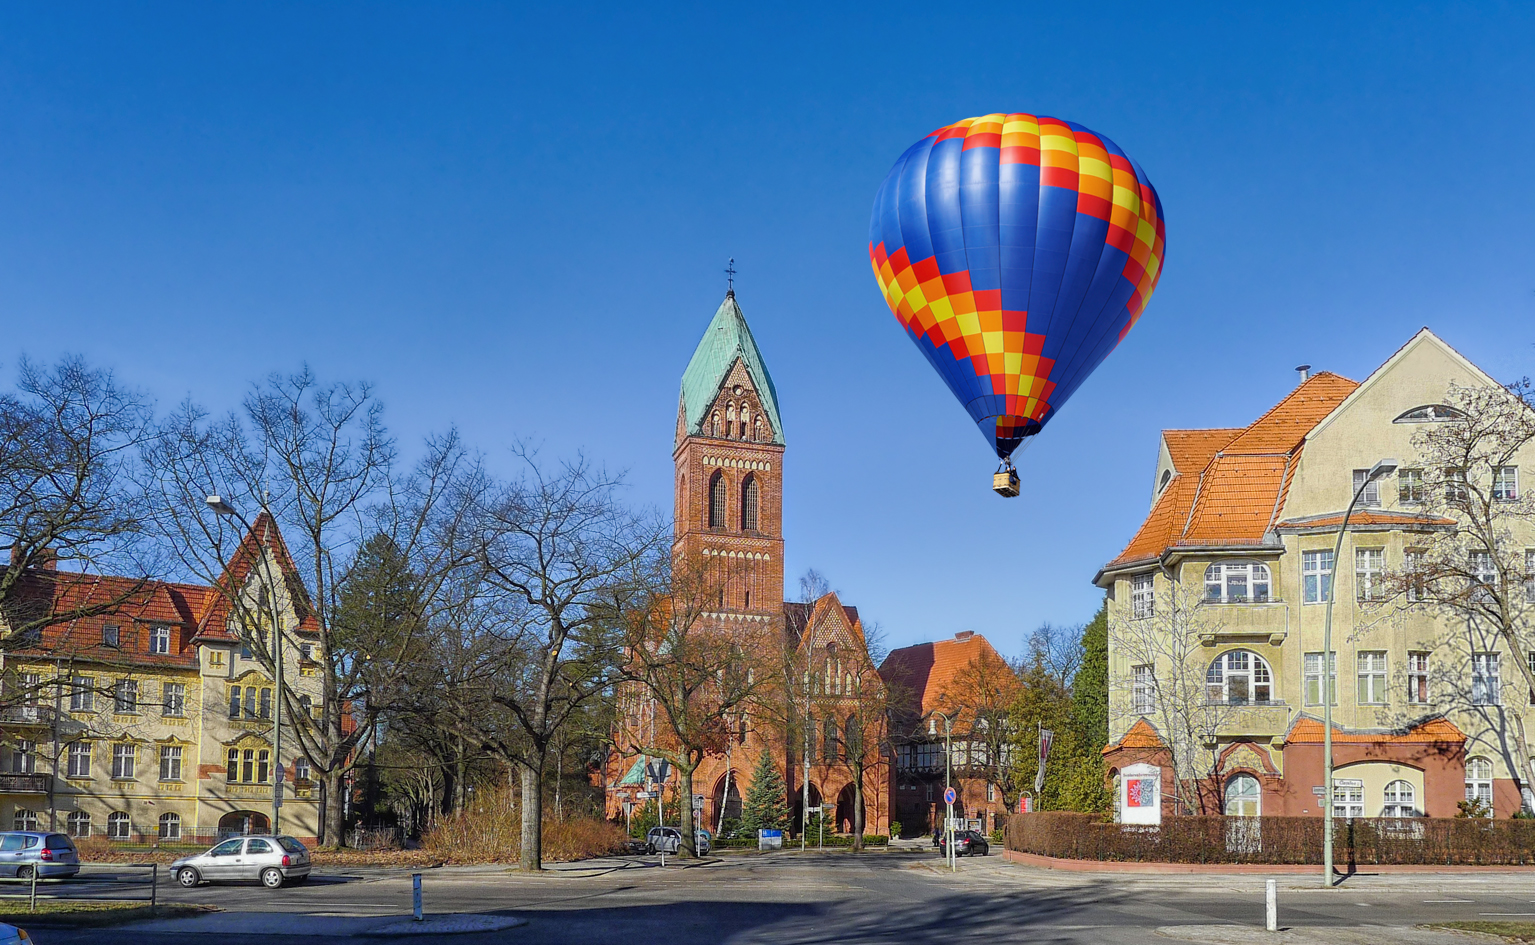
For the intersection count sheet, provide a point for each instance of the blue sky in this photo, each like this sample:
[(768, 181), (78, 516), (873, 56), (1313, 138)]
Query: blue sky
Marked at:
[(513, 219)]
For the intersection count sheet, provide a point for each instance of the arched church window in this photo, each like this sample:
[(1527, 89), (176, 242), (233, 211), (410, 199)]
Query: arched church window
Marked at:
[(757, 429), (717, 500), (749, 504), (714, 424), (730, 420)]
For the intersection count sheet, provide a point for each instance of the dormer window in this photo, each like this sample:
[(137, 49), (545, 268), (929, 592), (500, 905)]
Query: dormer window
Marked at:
[(1430, 413), (1240, 582), (1167, 476), (160, 640), (110, 636)]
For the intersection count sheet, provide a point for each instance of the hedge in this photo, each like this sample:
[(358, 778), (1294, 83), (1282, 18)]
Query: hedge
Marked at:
[(1277, 840), (832, 840)]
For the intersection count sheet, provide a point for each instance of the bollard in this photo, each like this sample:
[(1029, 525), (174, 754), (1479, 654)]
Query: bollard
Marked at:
[(1273, 906), (415, 883), (32, 900)]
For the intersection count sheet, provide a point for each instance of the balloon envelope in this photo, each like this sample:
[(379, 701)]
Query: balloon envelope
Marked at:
[(1016, 251)]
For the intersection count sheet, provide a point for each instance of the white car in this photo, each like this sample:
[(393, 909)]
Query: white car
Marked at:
[(669, 840)]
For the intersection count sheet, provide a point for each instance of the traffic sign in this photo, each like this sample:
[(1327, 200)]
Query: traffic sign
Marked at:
[(698, 802), (949, 795)]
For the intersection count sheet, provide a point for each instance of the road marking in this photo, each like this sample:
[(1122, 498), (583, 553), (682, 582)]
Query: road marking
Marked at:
[(1449, 900), (1506, 913)]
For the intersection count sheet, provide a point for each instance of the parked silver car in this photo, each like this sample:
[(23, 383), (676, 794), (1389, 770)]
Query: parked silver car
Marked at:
[(669, 840), (272, 860), (50, 854)]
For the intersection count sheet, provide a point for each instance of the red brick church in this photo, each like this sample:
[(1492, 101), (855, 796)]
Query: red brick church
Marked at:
[(729, 456)]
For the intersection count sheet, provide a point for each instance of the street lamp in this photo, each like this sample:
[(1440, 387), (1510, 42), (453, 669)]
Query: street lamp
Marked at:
[(1383, 468), (948, 756), (221, 507)]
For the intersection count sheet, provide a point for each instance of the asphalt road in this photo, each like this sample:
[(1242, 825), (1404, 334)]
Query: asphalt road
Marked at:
[(906, 898)]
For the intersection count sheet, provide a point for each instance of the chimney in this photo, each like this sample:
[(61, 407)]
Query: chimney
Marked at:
[(45, 558), (964, 635), (1305, 372)]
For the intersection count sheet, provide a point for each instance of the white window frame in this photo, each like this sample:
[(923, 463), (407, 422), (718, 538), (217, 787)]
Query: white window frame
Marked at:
[(1370, 666), (169, 827), (1371, 497), (78, 824), (1142, 689), (119, 826), (124, 760), (1505, 483), (1316, 575), (125, 693), (1143, 597), (82, 694), (1244, 665), (1311, 692), (24, 819), (170, 762), (1222, 575), (173, 700), (1418, 688), (160, 640), (1409, 486), (1369, 571), (1486, 679), (79, 760), (1479, 780), (1347, 800), (1413, 560), (24, 757), (1401, 800), (1529, 576)]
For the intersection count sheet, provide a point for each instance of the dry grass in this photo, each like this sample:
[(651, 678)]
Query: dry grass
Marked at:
[(491, 832), (1511, 931)]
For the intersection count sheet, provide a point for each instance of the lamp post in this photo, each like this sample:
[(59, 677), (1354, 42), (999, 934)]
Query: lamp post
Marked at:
[(218, 505), (948, 756), (1383, 468)]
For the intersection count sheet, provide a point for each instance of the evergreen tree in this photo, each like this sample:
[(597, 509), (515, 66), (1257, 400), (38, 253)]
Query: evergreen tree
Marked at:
[(1090, 686), (767, 802)]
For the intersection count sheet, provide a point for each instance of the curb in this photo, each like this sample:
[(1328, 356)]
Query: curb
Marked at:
[(1126, 866)]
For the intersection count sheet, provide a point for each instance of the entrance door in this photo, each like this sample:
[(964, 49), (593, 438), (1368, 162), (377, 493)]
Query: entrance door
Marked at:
[(1244, 804)]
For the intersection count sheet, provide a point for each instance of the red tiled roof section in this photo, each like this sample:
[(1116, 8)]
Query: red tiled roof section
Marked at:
[(213, 620), (918, 676), (1237, 498), (1285, 425), (1192, 450), (1165, 522), (1435, 731), (131, 605), (1140, 735)]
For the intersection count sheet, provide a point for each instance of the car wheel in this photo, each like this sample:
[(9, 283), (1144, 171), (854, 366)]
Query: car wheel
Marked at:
[(24, 873), (188, 877), (271, 877)]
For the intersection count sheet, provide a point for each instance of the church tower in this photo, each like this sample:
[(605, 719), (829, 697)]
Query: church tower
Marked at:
[(729, 457)]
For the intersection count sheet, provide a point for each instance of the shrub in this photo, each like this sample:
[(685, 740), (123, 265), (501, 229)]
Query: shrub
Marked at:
[(491, 832), (895, 828), (1280, 840)]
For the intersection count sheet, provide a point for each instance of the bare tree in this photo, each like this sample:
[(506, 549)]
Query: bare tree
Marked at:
[(1472, 563), (983, 701), (861, 711), (558, 549), (1168, 686), (701, 674)]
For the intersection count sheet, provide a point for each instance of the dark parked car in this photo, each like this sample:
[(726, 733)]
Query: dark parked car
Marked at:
[(966, 843)]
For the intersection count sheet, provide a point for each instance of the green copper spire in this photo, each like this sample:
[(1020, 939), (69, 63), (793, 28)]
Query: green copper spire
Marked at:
[(726, 339)]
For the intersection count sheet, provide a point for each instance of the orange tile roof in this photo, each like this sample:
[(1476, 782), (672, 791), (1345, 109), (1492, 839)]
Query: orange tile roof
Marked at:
[(1368, 517), (1141, 735), (920, 675), (1308, 731), (1192, 450), (1234, 495)]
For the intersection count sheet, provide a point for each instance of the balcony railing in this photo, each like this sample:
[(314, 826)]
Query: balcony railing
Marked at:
[(23, 784)]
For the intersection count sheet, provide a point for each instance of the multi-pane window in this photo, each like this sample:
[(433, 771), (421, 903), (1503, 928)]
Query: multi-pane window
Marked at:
[(1416, 586), (125, 696), (1233, 583), (173, 699), (1369, 569), (1409, 486), (1141, 688), (160, 640), (234, 702), (170, 762), (1484, 573), (79, 759), (250, 766), (24, 819), (1417, 678), (82, 694), (1372, 676), (1485, 679), (1316, 575), (266, 703), (1505, 483), (1455, 488), (170, 826), (1401, 800), (1142, 595), (79, 823), (118, 826), (23, 757), (717, 500), (1479, 781), (1238, 677), (123, 757), (1529, 576), (749, 504), (1347, 799), (110, 636), (301, 766), (1313, 678), (1370, 498)]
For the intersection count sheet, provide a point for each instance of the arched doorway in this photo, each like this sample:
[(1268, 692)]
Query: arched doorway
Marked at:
[(721, 803), (242, 823), (796, 809), (847, 807)]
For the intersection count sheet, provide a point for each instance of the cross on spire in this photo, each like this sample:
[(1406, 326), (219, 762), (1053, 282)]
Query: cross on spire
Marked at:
[(730, 278)]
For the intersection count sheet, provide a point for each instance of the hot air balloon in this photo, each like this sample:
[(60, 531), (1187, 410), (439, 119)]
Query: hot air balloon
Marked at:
[(1017, 251)]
